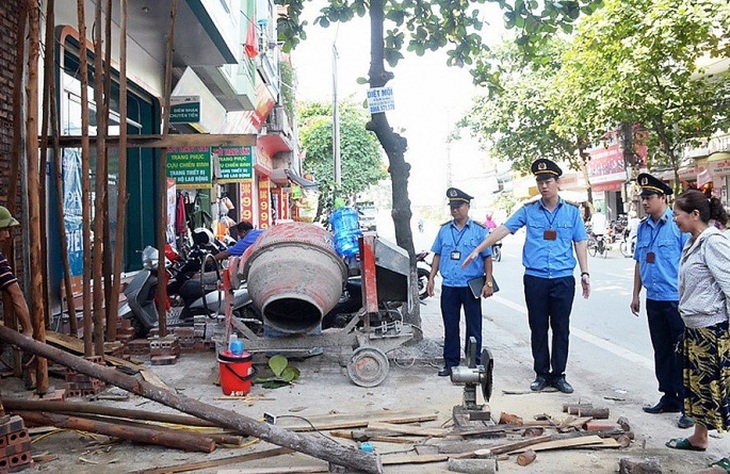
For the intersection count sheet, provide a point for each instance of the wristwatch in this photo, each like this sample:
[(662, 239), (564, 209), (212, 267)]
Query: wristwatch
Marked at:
[(489, 284), (585, 274)]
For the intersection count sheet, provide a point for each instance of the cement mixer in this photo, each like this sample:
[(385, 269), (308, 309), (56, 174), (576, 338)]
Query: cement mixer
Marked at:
[(295, 277)]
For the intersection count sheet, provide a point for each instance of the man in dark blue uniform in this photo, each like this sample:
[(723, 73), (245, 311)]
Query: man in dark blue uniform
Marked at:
[(455, 240), (659, 244), (555, 231)]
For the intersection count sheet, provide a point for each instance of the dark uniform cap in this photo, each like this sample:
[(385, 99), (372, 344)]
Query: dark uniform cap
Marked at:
[(651, 185), (457, 197), (545, 169)]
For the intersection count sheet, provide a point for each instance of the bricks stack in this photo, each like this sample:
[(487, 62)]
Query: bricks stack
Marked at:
[(138, 347), (164, 350), (81, 385), (14, 445), (186, 336), (125, 331)]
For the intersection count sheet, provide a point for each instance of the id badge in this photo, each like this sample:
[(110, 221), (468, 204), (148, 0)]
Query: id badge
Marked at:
[(550, 234), (650, 257), (455, 255)]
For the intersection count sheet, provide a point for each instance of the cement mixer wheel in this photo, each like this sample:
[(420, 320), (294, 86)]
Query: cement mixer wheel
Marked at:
[(368, 367)]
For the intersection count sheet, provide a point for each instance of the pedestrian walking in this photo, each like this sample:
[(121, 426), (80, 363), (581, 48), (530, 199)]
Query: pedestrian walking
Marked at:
[(704, 301), (555, 237), (659, 244), (454, 241)]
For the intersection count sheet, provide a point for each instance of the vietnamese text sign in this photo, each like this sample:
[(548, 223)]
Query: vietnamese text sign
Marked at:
[(185, 109), (236, 163), (380, 99), (190, 166)]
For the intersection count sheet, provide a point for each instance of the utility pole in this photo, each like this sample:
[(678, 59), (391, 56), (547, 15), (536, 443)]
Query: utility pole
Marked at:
[(335, 122)]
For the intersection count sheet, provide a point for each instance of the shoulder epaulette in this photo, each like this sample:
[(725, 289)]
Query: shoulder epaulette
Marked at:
[(446, 223), (480, 224), (643, 219), (571, 203)]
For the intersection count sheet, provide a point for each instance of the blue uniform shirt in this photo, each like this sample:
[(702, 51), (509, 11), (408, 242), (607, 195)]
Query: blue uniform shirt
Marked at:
[(248, 240), (665, 240), (548, 258), (448, 240)]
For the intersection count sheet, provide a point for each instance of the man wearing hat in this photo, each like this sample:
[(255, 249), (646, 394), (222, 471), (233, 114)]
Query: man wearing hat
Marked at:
[(455, 240), (8, 282), (555, 237), (659, 244)]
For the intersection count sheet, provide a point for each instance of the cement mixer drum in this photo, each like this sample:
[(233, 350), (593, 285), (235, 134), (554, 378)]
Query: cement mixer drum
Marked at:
[(294, 276)]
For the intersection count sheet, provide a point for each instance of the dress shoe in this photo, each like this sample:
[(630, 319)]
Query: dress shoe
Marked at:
[(662, 407), (445, 372), (685, 422), (539, 384), (562, 385)]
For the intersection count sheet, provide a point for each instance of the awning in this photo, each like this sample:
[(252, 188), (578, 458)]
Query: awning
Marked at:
[(305, 183)]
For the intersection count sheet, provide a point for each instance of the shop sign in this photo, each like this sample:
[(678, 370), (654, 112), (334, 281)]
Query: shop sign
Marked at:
[(236, 163), (185, 109), (380, 99), (190, 166), (264, 203), (247, 200), (719, 168)]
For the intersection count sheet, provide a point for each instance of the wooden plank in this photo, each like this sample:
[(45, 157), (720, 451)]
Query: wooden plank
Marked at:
[(375, 437), (561, 444), (407, 429), (276, 470), (161, 141), (187, 467), (357, 420), (411, 459)]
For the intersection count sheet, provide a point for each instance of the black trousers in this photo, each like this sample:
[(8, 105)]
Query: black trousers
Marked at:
[(666, 328), (549, 302), (452, 300)]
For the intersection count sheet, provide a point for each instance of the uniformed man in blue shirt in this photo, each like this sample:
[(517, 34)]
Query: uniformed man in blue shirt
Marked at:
[(555, 231), (659, 244), (455, 240)]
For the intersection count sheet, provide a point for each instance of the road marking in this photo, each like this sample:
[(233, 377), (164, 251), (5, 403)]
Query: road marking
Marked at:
[(587, 337)]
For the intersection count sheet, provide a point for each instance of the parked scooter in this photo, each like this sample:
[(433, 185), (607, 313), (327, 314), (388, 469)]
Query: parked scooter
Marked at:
[(423, 270), (497, 252), (192, 288)]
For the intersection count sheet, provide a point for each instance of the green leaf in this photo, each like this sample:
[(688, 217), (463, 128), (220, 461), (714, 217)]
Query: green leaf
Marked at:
[(290, 374), (362, 80), (277, 364)]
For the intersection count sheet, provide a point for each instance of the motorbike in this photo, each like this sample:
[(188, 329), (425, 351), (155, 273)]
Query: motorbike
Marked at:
[(423, 271), (497, 252), (597, 246), (628, 243), (192, 288)]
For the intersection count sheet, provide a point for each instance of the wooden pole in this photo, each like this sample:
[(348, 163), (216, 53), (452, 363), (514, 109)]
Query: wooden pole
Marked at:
[(85, 182), (168, 438), (101, 120), (63, 240), (37, 306), (107, 251), (111, 328), (162, 176), (17, 155), (312, 444), (77, 408)]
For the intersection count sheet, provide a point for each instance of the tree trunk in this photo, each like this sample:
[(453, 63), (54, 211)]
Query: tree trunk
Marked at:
[(395, 147)]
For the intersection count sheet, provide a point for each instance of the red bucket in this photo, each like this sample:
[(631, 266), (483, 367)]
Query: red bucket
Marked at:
[(237, 372)]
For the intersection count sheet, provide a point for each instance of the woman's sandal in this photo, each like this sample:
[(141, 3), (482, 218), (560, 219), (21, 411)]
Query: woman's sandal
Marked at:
[(683, 444), (723, 463)]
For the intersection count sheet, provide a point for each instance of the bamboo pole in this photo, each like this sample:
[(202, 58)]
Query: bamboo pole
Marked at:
[(85, 183), (101, 121), (63, 240), (315, 444), (47, 79), (107, 251), (37, 306), (162, 176), (111, 328), (17, 154), (140, 434)]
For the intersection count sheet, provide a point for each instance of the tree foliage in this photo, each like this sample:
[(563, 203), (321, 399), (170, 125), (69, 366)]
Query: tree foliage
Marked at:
[(641, 62), (362, 163)]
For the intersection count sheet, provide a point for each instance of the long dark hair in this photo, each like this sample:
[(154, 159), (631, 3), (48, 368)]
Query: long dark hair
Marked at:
[(695, 200)]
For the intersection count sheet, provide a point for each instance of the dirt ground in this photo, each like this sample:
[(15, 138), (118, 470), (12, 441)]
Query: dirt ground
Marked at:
[(324, 388)]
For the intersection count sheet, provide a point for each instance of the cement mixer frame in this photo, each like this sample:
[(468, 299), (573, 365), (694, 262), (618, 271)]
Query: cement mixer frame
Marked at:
[(385, 272)]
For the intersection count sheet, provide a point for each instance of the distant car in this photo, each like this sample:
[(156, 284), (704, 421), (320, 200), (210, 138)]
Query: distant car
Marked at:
[(367, 214)]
